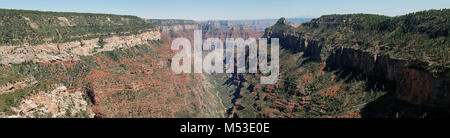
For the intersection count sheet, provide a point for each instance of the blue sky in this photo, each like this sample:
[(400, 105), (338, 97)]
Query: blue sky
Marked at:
[(228, 9)]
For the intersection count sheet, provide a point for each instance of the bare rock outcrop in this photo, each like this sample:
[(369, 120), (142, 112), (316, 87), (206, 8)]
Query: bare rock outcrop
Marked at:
[(69, 51), (57, 103), (410, 83)]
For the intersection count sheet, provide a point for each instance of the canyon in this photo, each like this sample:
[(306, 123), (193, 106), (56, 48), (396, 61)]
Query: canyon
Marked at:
[(412, 88), (114, 66)]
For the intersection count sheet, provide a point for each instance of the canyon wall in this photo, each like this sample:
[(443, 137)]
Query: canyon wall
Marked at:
[(412, 83), (408, 81), (70, 51)]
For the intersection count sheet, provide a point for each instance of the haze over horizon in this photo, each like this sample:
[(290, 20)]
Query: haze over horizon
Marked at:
[(228, 9)]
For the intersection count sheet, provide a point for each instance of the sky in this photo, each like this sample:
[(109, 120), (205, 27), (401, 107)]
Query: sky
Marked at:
[(228, 9)]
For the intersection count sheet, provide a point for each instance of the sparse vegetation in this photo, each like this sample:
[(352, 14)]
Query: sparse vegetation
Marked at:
[(36, 27), (422, 36)]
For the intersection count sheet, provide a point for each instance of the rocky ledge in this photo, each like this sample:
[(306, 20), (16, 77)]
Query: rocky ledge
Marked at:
[(407, 80), (70, 51)]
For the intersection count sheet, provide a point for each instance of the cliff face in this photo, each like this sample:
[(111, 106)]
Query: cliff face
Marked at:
[(95, 65), (70, 51), (23, 27), (408, 81), (412, 84), (296, 43), (55, 36)]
